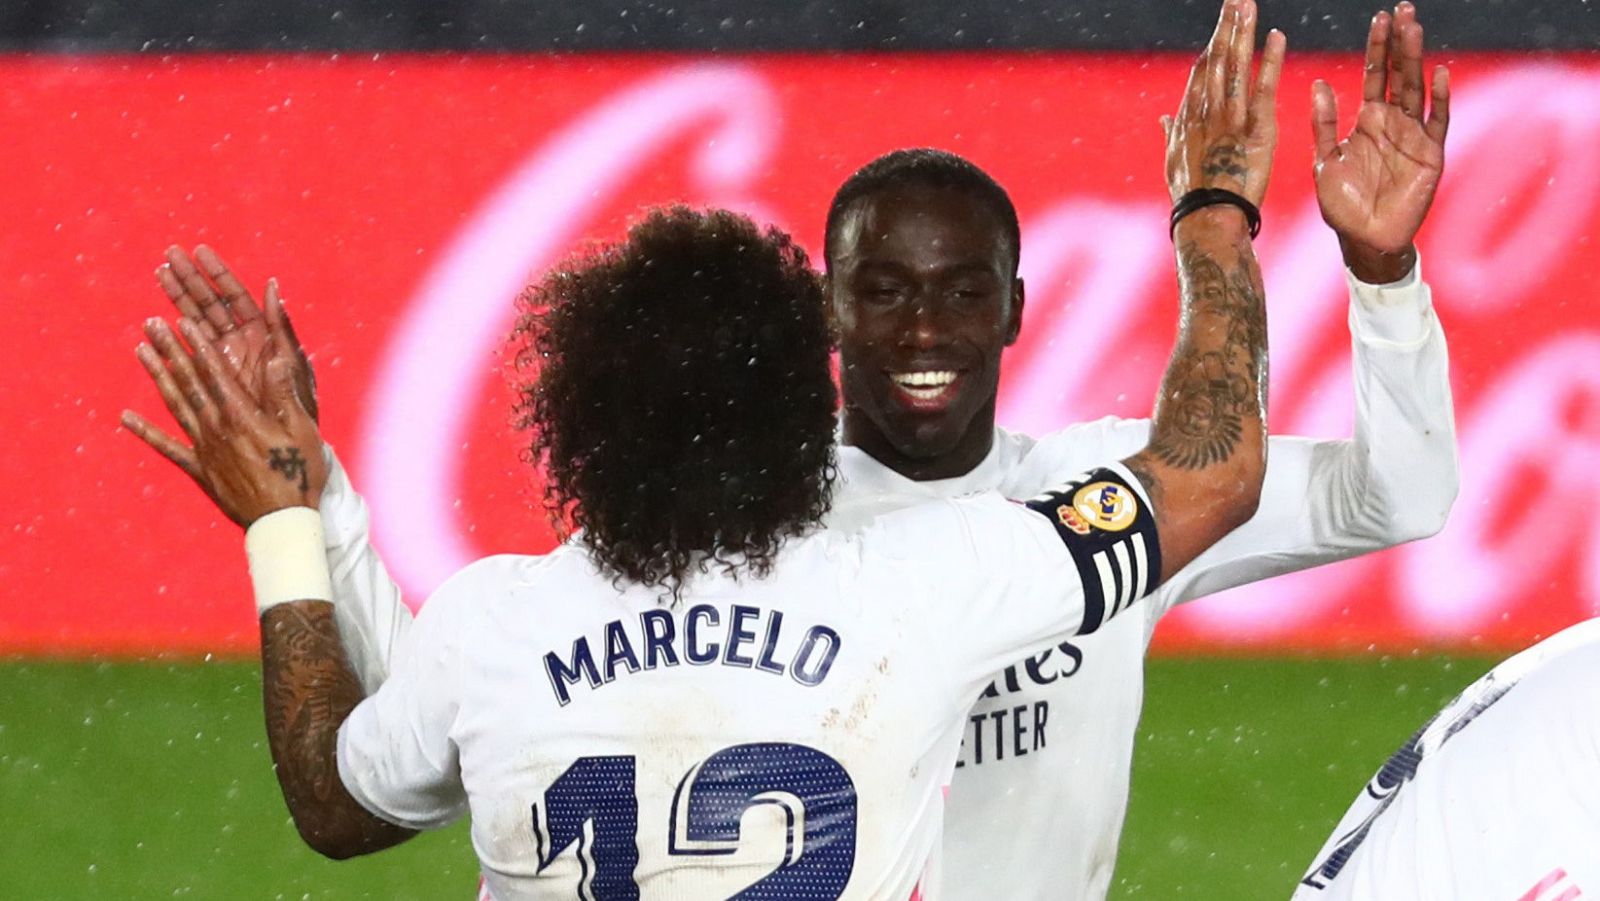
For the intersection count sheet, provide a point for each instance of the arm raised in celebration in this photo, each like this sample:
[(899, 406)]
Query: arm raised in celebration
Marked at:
[(258, 456), (1206, 458)]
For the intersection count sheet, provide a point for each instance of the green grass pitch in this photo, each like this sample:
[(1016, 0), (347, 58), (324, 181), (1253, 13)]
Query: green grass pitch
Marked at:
[(152, 780)]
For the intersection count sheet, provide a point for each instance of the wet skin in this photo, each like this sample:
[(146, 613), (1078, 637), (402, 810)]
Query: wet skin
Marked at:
[(925, 299)]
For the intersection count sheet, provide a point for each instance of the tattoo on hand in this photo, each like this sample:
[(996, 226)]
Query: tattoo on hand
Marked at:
[(1217, 387), (1225, 159), (289, 462)]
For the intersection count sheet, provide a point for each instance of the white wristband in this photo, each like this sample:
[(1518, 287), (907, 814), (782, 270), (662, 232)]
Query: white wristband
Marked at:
[(287, 559)]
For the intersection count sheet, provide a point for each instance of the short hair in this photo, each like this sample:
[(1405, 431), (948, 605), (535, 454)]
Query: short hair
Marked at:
[(677, 389), (925, 167)]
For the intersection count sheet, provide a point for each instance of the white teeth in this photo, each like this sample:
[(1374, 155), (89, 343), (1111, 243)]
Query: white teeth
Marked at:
[(929, 379)]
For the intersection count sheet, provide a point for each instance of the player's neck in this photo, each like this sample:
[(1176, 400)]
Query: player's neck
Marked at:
[(974, 445)]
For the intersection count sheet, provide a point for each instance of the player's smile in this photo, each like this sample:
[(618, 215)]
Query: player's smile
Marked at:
[(926, 390)]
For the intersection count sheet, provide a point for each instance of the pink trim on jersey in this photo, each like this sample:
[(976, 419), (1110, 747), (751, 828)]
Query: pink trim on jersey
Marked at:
[(1555, 879), (916, 891), (483, 890)]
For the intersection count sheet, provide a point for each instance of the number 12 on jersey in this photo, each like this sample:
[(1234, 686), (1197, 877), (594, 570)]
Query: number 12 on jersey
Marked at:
[(594, 805)]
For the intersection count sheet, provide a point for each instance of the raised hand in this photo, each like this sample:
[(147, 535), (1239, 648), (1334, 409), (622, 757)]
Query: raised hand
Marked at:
[(250, 455), (1376, 185), (1224, 132), (213, 299)]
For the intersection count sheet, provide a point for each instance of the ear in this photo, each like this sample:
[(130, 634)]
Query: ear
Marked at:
[(1014, 324)]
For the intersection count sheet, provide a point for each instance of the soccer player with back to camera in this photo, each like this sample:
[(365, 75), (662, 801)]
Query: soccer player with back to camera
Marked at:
[(703, 693), (1036, 808)]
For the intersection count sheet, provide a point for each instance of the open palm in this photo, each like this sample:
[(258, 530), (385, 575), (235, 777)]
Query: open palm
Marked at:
[(1378, 183), (1375, 186)]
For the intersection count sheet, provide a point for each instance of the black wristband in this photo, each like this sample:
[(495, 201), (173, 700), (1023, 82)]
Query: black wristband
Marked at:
[(1204, 197)]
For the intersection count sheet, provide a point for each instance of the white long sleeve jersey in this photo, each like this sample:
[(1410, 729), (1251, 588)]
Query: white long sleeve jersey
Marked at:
[(788, 737), (1040, 790)]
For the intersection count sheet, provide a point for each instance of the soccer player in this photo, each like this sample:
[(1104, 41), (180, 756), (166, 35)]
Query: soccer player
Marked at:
[(1495, 798), (1037, 805), (703, 693)]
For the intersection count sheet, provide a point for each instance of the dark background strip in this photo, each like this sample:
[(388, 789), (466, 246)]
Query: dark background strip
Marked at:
[(95, 26)]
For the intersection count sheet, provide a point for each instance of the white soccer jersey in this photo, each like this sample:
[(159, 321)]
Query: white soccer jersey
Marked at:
[(786, 737), (1038, 800), (1037, 804), (1497, 798)]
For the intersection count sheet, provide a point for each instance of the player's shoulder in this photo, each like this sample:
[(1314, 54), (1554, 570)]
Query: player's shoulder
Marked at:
[(1565, 665), (902, 560), (928, 530), (507, 569), (478, 585), (1108, 433), (1031, 461), (1542, 693), (1573, 647), (935, 512)]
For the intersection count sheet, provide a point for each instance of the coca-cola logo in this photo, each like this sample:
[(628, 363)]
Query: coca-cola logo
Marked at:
[(1521, 197)]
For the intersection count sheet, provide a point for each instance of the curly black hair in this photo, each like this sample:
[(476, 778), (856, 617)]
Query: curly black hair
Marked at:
[(677, 390), (926, 167)]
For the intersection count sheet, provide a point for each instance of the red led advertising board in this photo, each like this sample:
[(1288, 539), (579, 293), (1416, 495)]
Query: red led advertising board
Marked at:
[(402, 201)]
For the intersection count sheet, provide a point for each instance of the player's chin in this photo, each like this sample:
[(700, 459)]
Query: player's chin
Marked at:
[(925, 436)]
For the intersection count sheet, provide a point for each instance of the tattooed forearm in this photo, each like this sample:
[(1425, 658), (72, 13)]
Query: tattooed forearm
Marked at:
[(308, 689), (1217, 379), (1205, 462), (308, 693)]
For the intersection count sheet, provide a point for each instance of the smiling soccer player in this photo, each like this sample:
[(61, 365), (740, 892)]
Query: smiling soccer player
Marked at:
[(922, 251)]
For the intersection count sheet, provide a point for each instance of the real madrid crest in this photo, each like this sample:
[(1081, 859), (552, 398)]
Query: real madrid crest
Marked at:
[(1106, 506)]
